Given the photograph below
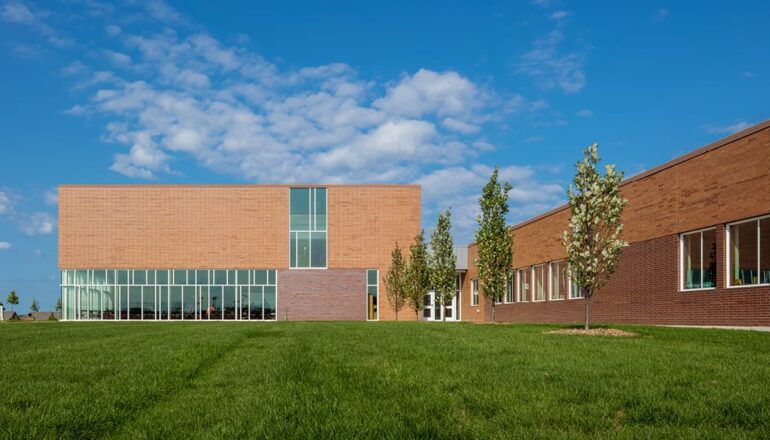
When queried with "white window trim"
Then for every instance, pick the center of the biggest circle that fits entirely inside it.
(682, 289)
(310, 230)
(728, 253)
(534, 284)
(475, 292)
(550, 282)
(377, 318)
(518, 286)
(512, 279)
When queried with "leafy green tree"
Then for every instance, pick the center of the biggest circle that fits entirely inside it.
(35, 307)
(58, 305)
(13, 299)
(395, 281)
(442, 261)
(417, 274)
(593, 238)
(494, 240)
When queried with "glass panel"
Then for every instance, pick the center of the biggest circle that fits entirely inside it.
(243, 277)
(161, 277)
(202, 276)
(271, 277)
(764, 250)
(371, 301)
(140, 277)
(320, 209)
(299, 209)
(743, 258)
(180, 277)
(691, 267)
(215, 304)
(539, 287)
(148, 302)
(100, 277)
(710, 258)
(123, 302)
(303, 249)
(509, 290)
(269, 301)
(191, 277)
(292, 249)
(176, 302)
(81, 277)
(150, 277)
(228, 303)
(261, 277)
(524, 285)
(371, 277)
(255, 311)
(318, 257)
(134, 303)
(244, 302)
(108, 301)
(230, 277)
(559, 280)
(189, 302)
(220, 277)
(122, 277)
(163, 302)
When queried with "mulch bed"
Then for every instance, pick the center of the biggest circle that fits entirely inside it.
(592, 332)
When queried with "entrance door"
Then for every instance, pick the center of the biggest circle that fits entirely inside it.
(433, 311)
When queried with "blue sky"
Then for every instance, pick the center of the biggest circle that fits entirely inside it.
(292, 91)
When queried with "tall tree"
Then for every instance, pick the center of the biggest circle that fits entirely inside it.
(442, 261)
(35, 307)
(593, 238)
(13, 299)
(417, 274)
(395, 281)
(494, 240)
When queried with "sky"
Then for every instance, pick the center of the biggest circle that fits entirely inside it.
(434, 93)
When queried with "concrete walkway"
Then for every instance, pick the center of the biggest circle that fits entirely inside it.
(722, 327)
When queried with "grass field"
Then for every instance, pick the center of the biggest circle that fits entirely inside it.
(378, 380)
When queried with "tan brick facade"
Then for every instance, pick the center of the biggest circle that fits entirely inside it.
(718, 184)
(229, 226)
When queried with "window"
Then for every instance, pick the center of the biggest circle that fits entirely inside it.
(538, 278)
(749, 252)
(307, 228)
(474, 292)
(574, 291)
(698, 260)
(559, 280)
(372, 294)
(523, 285)
(509, 286)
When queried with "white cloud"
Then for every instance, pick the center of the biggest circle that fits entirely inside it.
(550, 67)
(728, 129)
(19, 13)
(560, 15)
(39, 223)
(519, 104)
(660, 15)
(585, 113)
(460, 126)
(5, 203)
(4, 245)
(51, 196)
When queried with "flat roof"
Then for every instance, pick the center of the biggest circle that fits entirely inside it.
(237, 185)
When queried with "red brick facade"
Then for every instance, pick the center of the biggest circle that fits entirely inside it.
(721, 183)
(325, 295)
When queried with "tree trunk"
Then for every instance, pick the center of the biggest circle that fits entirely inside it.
(587, 304)
(443, 309)
(396, 314)
(416, 315)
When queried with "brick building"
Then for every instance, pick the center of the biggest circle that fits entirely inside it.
(230, 252)
(699, 254)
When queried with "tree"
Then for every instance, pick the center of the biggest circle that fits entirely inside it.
(417, 274)
(395, 281)
(35, 307)
(58, 305)
(442, 261)
(593, 238)
(13, 299)
(494, 241)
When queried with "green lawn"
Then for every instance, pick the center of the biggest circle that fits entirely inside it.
(378, 380)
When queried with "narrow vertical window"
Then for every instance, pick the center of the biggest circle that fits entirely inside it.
(698, 260)
(523, 285)
(559, 283)
(475, 292)
(538, 279)
(509, 285)
(372, 294)
(307, 228)
(749, 252)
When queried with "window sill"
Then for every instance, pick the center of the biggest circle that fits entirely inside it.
(308, 268)
(556, 299)
(743, 286)
(702, 289)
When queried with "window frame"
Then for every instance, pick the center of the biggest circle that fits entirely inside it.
(545, 296)
(550, 281)
(377, 313)
(728, 253)
(475, 292)
(518, 285)
(310, 231)
(510, 284)
(700, 232)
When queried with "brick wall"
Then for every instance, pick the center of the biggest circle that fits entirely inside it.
(724, 182)
(322, 295)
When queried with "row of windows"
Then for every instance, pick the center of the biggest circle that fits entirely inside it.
(748, 255)
(181, 277)
(531, 284)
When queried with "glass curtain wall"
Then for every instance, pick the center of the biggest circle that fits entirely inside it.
(141, 294)
(307, 228)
